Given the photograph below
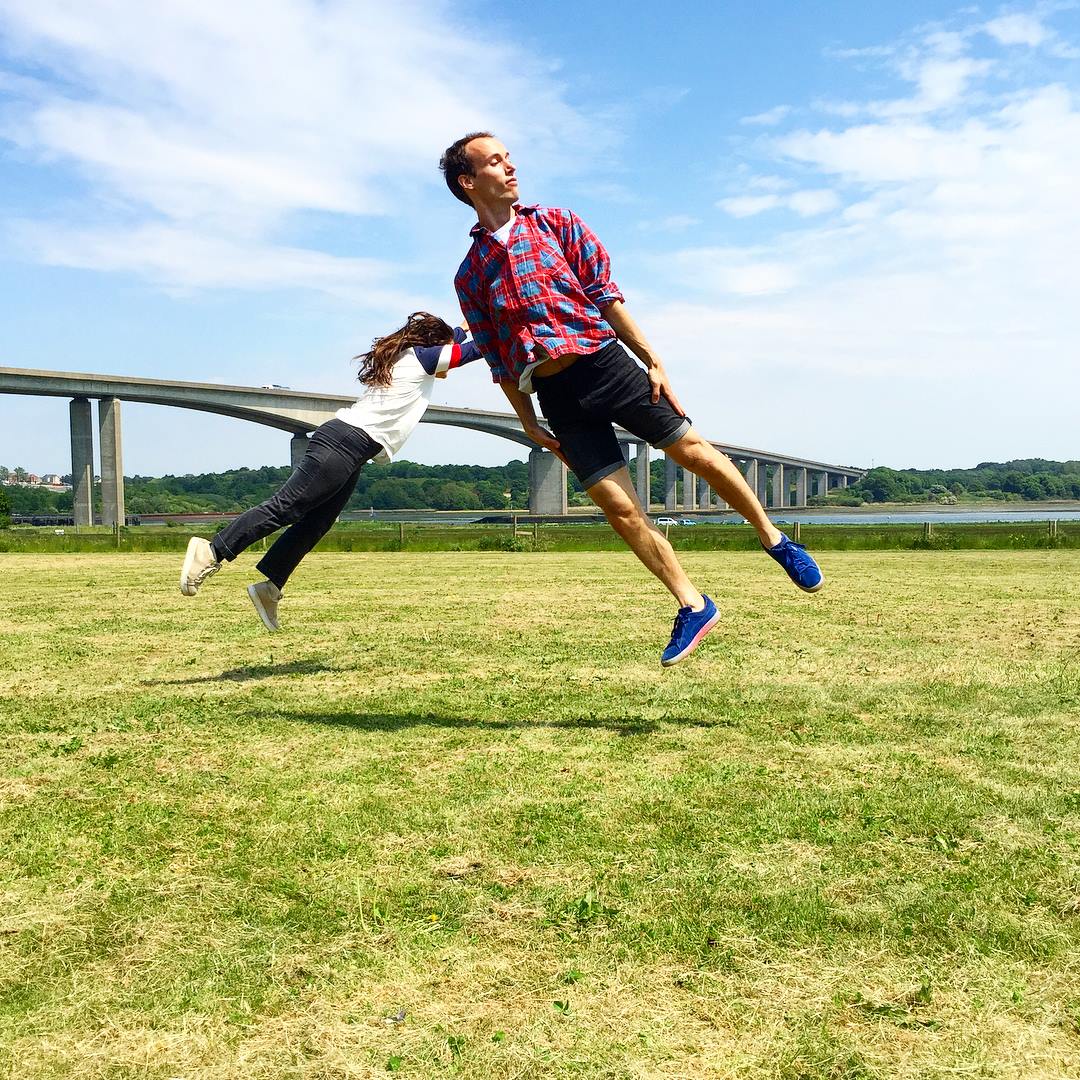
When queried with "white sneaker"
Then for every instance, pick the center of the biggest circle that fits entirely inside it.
(265, 596)
(199, 564)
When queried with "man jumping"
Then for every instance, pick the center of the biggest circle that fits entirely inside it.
(536, 291)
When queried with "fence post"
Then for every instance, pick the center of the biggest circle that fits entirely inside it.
(1052, 528)
(928, 530)
(401, 535)
(536, 533)
(796, 532)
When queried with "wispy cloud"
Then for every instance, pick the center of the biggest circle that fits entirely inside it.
(1024, 28)
(769, 118)
(807, 203)
(955, 249)
(224, 120)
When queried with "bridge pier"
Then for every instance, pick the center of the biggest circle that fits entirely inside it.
(762, 491)
(82, 462)
(704, 495)
(671, 480)
(547, 483)
(779, 486)
(644, 480)
(750, 474)
(689, 491)
(298, 445)
(822, 487)
(112, 462)
(801, 475)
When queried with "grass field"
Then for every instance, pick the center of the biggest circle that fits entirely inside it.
(455, 820)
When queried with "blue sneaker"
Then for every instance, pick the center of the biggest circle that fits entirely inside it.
(799, 564)
(690, 627)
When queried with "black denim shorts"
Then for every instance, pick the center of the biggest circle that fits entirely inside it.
(606, 387)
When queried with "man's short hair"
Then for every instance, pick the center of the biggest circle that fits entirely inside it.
(455, 162)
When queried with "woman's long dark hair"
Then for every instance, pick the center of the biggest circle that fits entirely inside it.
(421, 328)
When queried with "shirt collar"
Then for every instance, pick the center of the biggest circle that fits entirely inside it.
(480, 230)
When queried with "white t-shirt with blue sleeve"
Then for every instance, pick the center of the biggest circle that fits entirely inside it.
(390, 413)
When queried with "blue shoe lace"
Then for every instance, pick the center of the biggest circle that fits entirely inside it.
(794, 558)
(681, 616)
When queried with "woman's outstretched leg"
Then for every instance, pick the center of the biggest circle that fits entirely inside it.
(333, 459)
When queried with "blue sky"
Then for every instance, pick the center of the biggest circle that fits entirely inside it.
(851, 229)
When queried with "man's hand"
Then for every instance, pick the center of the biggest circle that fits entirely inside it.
(661, 384)
(523, 406)
(629, 333)
(542, 437)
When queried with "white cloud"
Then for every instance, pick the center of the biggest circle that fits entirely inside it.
(807, 203)
(769, 118)
(953, 266)
(180, 259)
(812, 203)
(742, 206)
(226, 120)
(1022, 28)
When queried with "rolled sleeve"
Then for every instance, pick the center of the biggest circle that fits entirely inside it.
(589, 260)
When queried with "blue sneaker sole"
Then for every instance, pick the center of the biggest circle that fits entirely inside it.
(694, 642)
(813, 588)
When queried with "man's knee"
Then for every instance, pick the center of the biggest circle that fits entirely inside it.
(692, 449)
(620, 506)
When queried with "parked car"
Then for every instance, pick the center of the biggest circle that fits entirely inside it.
(666, 521)
(687, 521)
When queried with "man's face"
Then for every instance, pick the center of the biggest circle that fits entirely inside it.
(494, 180)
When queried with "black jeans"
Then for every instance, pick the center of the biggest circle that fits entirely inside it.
(308, 502)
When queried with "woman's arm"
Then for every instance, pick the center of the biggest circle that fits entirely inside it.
(437, 360)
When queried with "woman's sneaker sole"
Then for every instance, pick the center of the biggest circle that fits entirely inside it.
(269, 621)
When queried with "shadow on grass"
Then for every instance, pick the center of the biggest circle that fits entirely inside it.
(250, 673)
(400, 721)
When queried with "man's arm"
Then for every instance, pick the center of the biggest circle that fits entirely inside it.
(523, 406)
(629, 333)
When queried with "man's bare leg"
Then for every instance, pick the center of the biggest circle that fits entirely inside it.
(704, 460)
(618, 500)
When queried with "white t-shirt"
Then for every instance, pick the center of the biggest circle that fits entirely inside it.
(390, 413)
(502, 234)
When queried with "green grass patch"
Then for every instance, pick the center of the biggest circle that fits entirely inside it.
(570, 537)
(454, 819)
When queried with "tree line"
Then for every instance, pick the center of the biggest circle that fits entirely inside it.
(395, 486)
(405, 485)
(1021, 480)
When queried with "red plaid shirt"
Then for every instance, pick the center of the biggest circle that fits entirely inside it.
(537, 296)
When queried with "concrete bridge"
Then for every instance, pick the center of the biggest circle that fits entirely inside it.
(781, 481)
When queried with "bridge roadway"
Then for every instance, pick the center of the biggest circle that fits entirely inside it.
(780, 480)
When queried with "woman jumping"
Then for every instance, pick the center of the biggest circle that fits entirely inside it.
(398, 373)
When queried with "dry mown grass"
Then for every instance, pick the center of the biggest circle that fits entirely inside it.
(455, 819)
